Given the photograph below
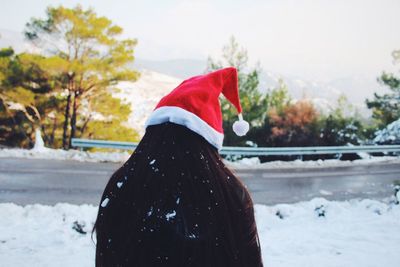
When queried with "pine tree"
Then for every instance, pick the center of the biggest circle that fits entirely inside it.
(252, 100)
(90, 58)
(113, 124)
(386, 107)
(24, 88)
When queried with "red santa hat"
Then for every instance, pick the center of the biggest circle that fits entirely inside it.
(195, 104)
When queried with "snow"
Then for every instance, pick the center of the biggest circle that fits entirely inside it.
(41, 152)
(144, 94)
(60, 154)
(39, 143)
(38, 235)
(104, 203)
(170, 215)
(311, 233)
(325, 192)
(254, 162)
(326, 233)
(389, 135)
(150, 211)
(15, 106)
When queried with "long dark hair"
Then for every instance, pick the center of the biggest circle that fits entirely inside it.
(175, 203)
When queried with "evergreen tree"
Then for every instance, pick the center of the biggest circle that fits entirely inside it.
(253, 102)
(24, 90)
(386, 107)
(112, 124)
(342, 126)
(90, 58)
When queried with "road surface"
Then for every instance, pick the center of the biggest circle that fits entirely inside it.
(28, 181)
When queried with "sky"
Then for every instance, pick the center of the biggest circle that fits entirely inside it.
(314, 39)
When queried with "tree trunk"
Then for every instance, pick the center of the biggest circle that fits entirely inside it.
(53, 133)
(73, 117)
(85, 124)
(45, 136)
(66, 120)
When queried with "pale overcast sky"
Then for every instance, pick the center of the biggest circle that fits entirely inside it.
(315, 39)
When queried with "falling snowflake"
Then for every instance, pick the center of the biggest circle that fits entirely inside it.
(105, 202)
(171, 215)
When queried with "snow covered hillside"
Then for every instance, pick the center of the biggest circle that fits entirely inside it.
(313, 234)
(144, 94)
(323, 94)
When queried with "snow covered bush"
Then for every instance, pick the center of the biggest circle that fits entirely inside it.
(389, 135)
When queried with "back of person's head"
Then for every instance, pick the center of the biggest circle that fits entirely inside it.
(175, 203)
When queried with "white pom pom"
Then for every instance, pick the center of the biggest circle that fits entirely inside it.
(241, 127)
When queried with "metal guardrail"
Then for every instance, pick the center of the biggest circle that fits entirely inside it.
(78, 142)
(254, 151)
(313, 150)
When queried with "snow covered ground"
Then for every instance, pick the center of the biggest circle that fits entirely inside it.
(60, 154)
(313, 233)
(255, 163)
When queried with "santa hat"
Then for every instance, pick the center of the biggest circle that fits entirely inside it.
(195, 104)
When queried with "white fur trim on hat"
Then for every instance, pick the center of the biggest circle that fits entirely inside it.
(190, 120)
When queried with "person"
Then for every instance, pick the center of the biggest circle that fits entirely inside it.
(174, 202)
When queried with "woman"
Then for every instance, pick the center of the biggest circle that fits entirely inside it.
(174, 202)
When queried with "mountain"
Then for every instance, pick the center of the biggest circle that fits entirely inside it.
(144, 94)
(359, 87)
(159, 77)
(323, 94)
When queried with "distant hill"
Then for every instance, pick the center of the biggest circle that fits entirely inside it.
(323, 94)
(144, 94)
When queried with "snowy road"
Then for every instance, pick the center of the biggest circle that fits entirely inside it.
(26, 181)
